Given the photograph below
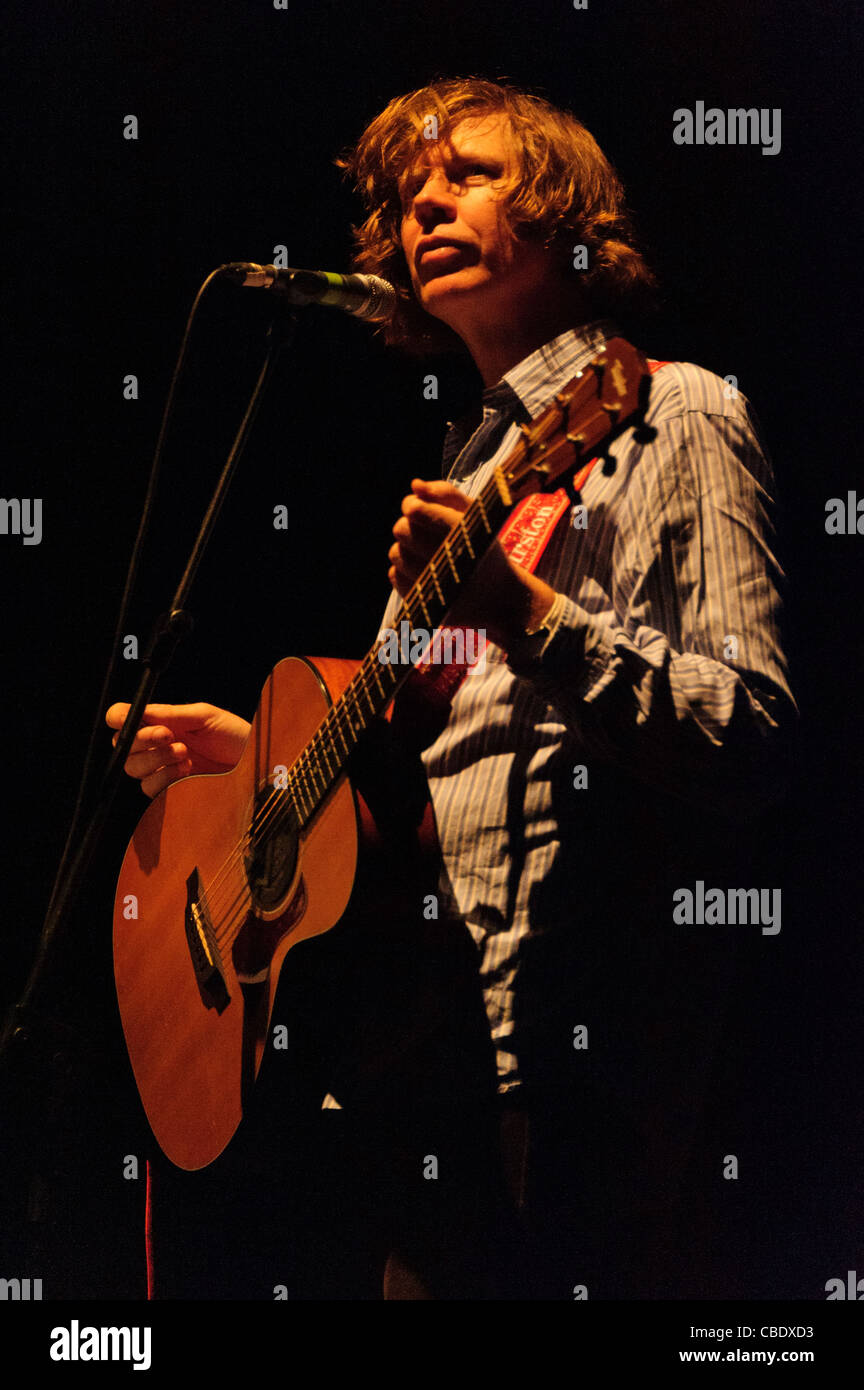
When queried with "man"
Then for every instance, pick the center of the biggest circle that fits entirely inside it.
(632, 708)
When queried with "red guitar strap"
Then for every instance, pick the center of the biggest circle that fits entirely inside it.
(524, 537)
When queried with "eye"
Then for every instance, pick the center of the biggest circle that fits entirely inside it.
(475, 169)
(411, 185)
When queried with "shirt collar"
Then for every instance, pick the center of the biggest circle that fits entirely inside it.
(537, 377)
(525, 391)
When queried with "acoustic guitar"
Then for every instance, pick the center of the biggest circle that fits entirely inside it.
(226, 873)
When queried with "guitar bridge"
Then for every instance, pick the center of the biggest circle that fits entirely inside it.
(201, 940)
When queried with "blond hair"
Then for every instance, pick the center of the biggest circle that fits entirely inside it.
(565, 194)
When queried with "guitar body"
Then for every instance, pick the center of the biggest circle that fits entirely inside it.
(196, 996)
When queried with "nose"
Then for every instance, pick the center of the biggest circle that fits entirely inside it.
(435, 201)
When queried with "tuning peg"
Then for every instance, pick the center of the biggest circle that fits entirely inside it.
(644, 434)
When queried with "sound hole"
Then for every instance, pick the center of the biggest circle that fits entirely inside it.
(271, 858)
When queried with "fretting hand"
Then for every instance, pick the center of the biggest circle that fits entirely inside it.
(501, 597)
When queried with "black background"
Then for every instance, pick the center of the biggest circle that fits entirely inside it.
(241, 109)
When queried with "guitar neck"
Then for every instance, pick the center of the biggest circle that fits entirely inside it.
(425, 606)
(599, 402)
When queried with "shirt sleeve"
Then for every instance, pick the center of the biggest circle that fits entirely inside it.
(681, 678)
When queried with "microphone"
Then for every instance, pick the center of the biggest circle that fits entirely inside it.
(366, 296)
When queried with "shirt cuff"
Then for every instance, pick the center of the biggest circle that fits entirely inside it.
(570, 645)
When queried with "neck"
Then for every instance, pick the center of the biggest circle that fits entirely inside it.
(498, 344)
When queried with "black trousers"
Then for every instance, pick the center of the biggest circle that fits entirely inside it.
(427, 1184)
(513, 1205)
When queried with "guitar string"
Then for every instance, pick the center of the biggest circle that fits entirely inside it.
(307, 771)
(316, 772)
(319, 779)
(243, 896)
(305, 801)
(307, 768)
(339, 720)
(278, 809)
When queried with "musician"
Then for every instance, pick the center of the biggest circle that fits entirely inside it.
(632, 715)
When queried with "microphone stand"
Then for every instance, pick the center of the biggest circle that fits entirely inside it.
(168, 632)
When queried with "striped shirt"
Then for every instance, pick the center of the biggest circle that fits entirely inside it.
(664, 659)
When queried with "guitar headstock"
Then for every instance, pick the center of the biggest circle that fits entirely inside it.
(601, 401)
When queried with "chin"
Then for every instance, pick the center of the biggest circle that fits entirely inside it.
(443, 291)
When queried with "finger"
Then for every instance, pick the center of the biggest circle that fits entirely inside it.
(186, 717)
(146, 738)
(115, 716)
(408, 562)
(141, 765)
(400, 579)
(428, 517)
(410, 543)
(439, 490)
(416, 506)
(151, 786)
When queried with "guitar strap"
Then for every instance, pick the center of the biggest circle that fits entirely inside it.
(523, 538)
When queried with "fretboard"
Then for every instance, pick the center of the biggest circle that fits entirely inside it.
(424, 607)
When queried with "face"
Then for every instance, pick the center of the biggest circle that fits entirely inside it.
(462, 262)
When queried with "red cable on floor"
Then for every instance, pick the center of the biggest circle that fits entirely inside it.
(148, 1234)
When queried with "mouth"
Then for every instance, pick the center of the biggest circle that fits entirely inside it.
(438, 255)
